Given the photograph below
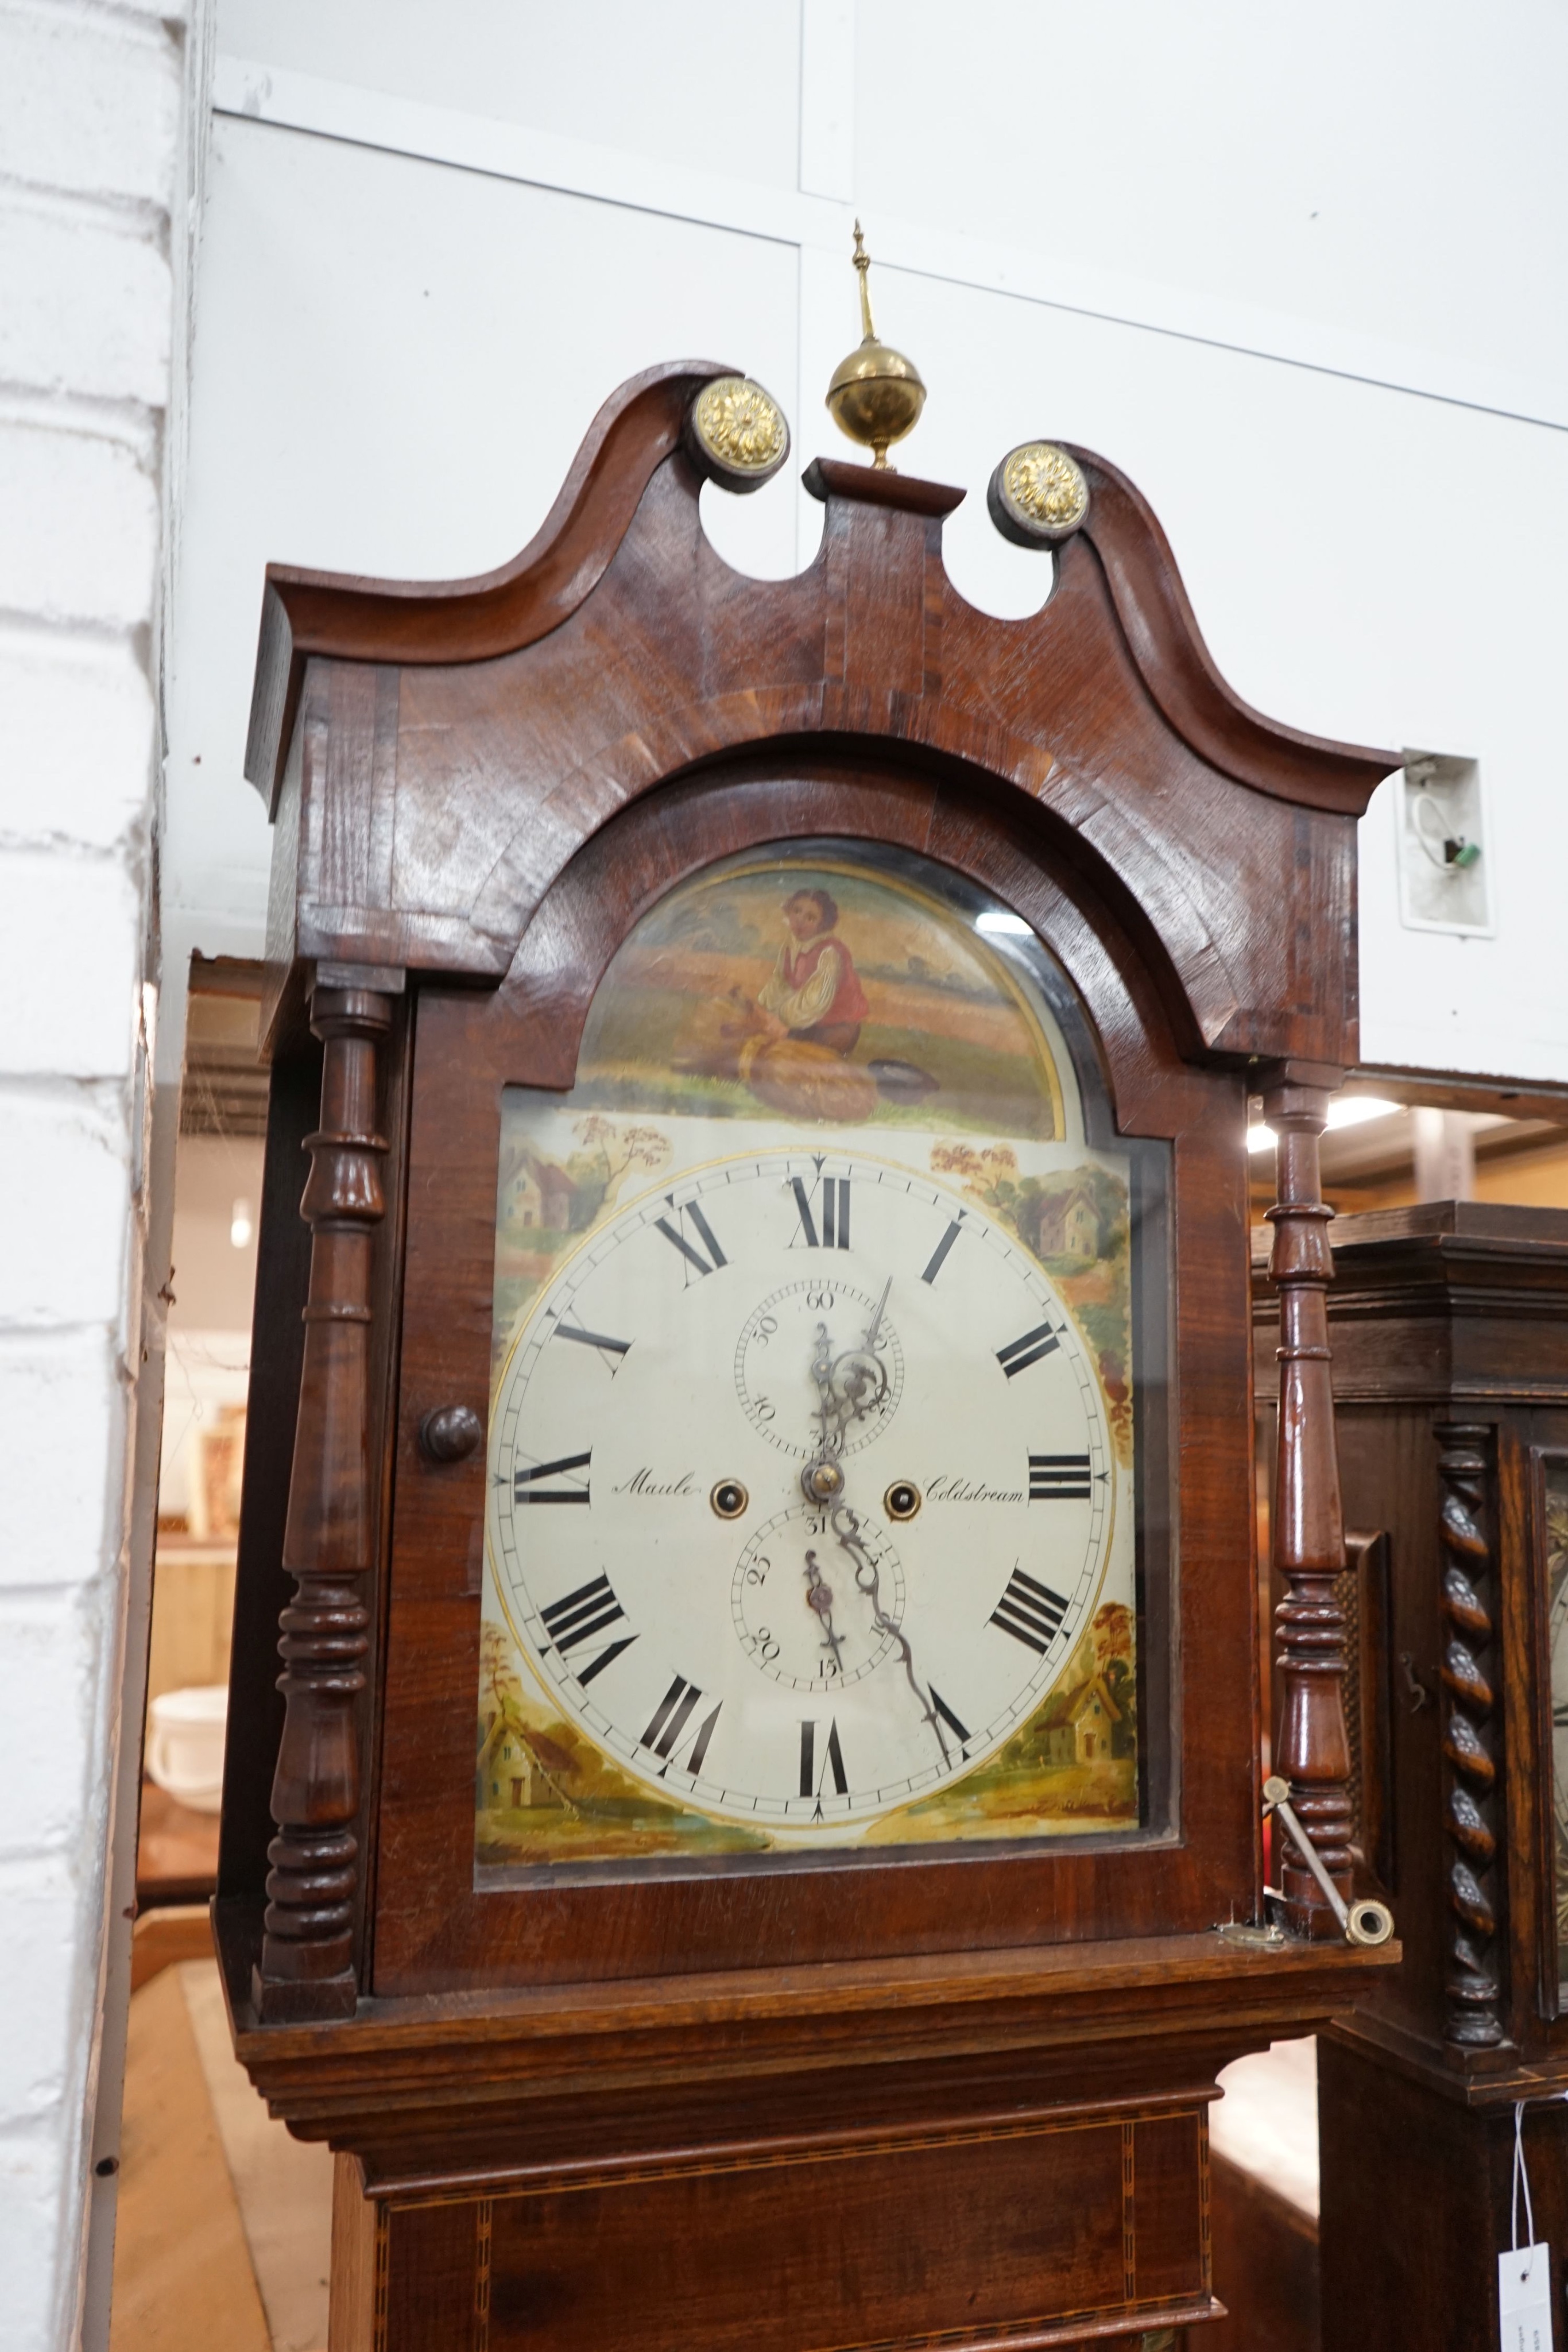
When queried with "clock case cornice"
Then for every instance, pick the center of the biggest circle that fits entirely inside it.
(462, 704)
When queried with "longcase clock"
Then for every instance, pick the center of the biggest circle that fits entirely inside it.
(757, 1839)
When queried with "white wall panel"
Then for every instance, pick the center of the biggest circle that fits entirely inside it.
(1315, 521)
(395, 366)
(1396, 172)
(396, 358)
(690, 85)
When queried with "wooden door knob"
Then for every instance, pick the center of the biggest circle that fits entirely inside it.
(450, 1434)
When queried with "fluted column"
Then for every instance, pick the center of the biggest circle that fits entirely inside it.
(1312, 1749)
(306, 1966)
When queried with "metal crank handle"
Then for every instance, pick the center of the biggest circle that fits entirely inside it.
(1364, 1922)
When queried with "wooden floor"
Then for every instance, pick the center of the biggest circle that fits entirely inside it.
(223, 2229)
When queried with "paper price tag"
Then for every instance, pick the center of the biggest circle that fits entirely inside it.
(1524, 2299)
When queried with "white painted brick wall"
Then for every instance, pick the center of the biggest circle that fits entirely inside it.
(89, 162)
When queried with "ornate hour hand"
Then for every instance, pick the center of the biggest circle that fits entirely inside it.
(823, 1479)
(820, 1597)
(847, 1529)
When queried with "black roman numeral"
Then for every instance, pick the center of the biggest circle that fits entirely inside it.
(527, 1488)
(669, 1721)
(1059, 1478)
(939, 1254)
(692, 1252)
(578, 1615)
(835, 1213)
(1029, 1612)
(600, 1339)
(960, 1731)
(811, 1784)
(1020, 1354)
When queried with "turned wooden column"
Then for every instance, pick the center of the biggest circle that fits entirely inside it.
(306, 1962)
(1470, 1735)
(1312, 1747)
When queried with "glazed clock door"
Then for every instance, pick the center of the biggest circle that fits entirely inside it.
(817, 1430)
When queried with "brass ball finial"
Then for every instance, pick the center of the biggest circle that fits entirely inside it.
(876, 395)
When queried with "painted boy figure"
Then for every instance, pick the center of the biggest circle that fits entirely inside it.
(814, 995)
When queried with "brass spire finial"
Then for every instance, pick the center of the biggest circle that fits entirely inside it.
(876, 395)
(862, 262)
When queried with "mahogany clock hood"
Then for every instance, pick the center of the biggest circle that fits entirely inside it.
(1104, 710)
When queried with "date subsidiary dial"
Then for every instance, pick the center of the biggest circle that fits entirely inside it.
(794, 1602)
(815, 1334)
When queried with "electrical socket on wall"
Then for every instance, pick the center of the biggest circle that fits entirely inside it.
(1445, 880)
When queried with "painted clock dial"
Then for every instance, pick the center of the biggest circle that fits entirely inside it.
(714, 1441)
(816, 1456)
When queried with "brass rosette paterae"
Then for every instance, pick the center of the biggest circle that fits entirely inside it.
(738, 434)
(1037, 495)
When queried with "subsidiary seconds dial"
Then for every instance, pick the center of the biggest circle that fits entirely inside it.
(801, 1488)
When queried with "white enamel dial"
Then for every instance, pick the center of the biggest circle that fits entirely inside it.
(761, 1653)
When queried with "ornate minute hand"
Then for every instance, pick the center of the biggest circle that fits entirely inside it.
(847, 1529)
(859, 1377)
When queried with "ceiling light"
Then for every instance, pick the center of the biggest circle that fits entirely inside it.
(241, 1224)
